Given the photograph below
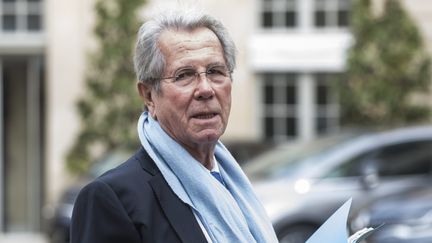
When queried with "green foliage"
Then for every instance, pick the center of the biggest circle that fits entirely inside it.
(110, 107)
(387, 65)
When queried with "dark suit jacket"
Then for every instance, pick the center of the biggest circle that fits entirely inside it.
(132, 204)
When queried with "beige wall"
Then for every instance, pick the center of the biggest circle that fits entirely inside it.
(421, 12)
(68, 34)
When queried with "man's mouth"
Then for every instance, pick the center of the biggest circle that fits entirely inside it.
(205, 116)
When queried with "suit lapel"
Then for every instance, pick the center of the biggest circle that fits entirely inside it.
(178, 213)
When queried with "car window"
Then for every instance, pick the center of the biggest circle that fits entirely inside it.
(408, 158)
(351, 167)
(405, 159)
(287, 160)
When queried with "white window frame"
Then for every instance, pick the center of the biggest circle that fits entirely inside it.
(278, 109)
(278, 8)
(305, 15)
(331, 9)
(21, 9)
(305, 110)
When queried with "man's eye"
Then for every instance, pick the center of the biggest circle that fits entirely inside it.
(184, 75)
(216, 71)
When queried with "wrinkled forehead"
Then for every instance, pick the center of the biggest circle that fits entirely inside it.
(178, 45)
(187, 38)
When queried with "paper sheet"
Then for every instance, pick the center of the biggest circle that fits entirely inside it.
(334, 230)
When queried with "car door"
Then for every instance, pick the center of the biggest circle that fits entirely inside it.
(403, 166)
(382, 170)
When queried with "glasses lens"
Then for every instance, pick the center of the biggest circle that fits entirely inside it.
(217, 73)
(184, 77)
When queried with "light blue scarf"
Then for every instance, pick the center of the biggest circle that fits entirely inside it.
(229, 214)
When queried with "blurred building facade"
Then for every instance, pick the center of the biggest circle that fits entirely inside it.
(22, 104)
(288, 51)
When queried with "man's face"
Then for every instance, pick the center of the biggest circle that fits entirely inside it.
(195, 115)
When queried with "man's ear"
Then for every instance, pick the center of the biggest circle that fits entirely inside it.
(145, 91)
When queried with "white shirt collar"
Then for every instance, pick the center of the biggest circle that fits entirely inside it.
(215, 166)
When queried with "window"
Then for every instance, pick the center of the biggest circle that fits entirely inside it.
(21, 16)
(332, 13)
(279, 94)
(402, 159)
(410, 158)
(279, 13)
(327, 108)
(287, 115)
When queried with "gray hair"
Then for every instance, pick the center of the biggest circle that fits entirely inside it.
(150, 63)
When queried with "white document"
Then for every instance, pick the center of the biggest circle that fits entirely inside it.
(334, 229)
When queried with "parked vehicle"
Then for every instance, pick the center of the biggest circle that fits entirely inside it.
(302, 184)
(59, 222)
(406, 217)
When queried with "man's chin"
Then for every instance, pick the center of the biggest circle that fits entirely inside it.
(208, 136)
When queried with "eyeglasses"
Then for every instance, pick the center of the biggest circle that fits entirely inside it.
(187, 76)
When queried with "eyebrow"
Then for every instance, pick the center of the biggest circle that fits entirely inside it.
(215, 64)
(212, 64)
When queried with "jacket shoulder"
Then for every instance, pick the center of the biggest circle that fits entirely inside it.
(138, 165)
(129, 183)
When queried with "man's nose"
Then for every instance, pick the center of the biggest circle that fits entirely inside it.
(204, 89)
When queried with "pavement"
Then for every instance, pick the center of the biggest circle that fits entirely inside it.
(22, 238)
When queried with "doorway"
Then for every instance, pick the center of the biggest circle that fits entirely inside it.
(21, 152)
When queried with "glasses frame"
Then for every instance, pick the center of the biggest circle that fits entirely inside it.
(226, 73)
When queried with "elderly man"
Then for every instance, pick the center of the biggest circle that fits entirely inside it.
(182, 185)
